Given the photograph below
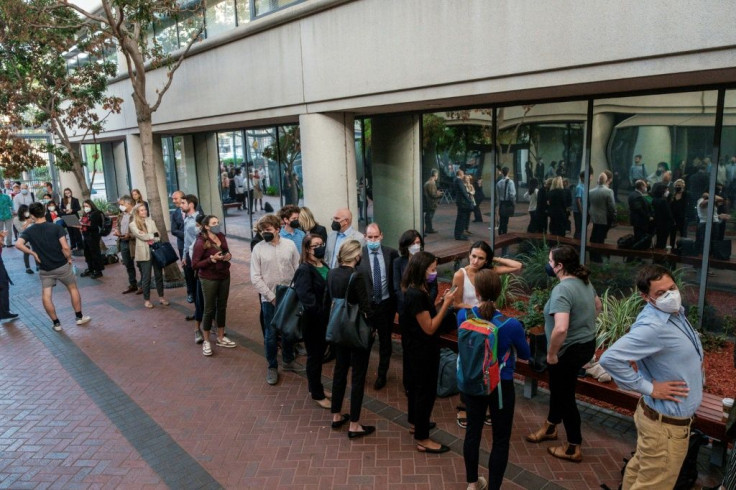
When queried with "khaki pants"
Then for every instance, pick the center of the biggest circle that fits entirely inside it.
(660, 450)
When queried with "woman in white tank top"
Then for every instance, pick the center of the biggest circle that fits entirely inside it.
(480, 257)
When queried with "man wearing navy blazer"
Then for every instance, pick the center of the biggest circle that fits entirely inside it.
(377, 264)
(177, 222)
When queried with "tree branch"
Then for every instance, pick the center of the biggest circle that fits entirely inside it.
(84, 13)
(173, 69)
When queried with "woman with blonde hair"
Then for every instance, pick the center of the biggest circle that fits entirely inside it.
(144, 229)
(678, 207)
(310, 225)
(557, 208)
(345, 281)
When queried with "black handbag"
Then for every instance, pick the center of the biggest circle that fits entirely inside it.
(347, 327)
(163, 254)
(288, 316)
(537, 349)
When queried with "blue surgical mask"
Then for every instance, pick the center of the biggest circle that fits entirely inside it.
(24, 191)
(373, 246)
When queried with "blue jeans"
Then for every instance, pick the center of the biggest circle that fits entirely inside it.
(270, 340)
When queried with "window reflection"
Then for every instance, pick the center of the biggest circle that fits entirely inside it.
(219, 16)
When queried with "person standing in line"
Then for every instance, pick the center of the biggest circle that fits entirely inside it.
(641, 215)
(70, 206)
(51, 192)
(506, 192)
(420, 323)
(602, 214)
(290, 225)
(91, 224)
(669, 375)
(257, 191)
(377, 268)
(557, 208)
(410, 243)
(638, 171)
(309, 225)
(310, 281)
(464, 203)
(24, 197)
(122, 231)
(340, 285)
(22, 221)
(177, 223)
(211, 259)
(432, 197)
(678, 206)
(577, 208)
(511, 339)
(138, 199)
(478, 197)
(273, 261)
(570, 327)
(532, 194)
(342, 230)
(664, 222)
(144, 229)
(6, 218)
(55, 260)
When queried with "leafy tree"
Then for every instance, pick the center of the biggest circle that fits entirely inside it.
(287, 149)
(37, 90)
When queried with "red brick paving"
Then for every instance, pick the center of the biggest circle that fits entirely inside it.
(245, 433)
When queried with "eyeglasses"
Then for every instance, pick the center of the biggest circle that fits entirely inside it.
(312, 247)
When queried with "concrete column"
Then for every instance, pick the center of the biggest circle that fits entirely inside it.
(120, 157)
(397, 185)
(187, 171)
(654, 144)
(328, 156)
(602, 128)
(206, 158)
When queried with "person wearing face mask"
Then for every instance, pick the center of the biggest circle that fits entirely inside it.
(669, 375)
(211, 258)
(91, 224)
(377, 266)
(310, 225)
(410, 243)
(345, 281)
(420, 324)
(273, 261)
(53, 215)
(342, 231)
(70, 206)
(23, 197)
(144, 229)
(310, 281)
(664, 222)
(290, 226)
(22, 221)
(126, 243)
(570, 327)
(6, 218)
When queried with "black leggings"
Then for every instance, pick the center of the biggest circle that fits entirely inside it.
(563, 377)
(421, 388)
(357, 360)
(314, 341)
(503, 419)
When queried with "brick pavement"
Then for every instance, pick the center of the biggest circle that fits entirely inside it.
(129, 401)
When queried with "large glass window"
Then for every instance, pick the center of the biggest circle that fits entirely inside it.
(190, 21)
(169, 157)
(242, 8)
(219, 16)
(266, 6)
(167, 35)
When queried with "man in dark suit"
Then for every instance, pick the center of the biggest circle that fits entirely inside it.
(464, 205)
(640, 211)
(377, 265)
(177, 222)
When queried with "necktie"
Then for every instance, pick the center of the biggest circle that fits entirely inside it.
(377, 290)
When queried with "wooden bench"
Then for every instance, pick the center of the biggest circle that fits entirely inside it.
(226, 206)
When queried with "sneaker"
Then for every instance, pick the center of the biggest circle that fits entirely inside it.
(292, 366)
(83, 320)
(29, 271)
(198, 337)
(206, 348)
(9, 317)
(272, 376)
(226, 342)
(57, 327)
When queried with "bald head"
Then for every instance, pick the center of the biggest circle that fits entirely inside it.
(344, 218)
(374, 228)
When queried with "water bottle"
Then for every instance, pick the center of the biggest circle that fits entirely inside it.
(74, 269)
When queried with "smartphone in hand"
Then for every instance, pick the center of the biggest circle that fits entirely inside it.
(452, 290)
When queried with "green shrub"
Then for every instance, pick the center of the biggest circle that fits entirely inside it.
(533, 310)
(512, 286)
(272, 191)
(618, 277)
(535, 259)
(622, 214)
(616, 317)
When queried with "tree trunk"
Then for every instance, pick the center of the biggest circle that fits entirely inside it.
(172, 273)
(78, 172)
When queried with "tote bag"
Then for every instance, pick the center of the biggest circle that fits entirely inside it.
(347, 327)
(163, 254)
(287, 317)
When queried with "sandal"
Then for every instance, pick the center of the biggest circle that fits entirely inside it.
(163, 301)
(148, 304)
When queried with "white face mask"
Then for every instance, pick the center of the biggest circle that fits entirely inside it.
(669, 302)
(52, 208)
(414, 248)
(87, 210)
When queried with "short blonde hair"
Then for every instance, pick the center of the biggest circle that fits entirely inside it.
(306, 219)
(349, 251)
(557, 183)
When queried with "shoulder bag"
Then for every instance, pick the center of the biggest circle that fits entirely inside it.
(347, 326)
(163, 254)
(506, 206)
(288, 316)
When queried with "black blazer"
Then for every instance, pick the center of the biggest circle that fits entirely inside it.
(389, 256)
(177, 229)
(310, 289)
(639, 210)
(400, 264)
(337, 287)
(75, 207)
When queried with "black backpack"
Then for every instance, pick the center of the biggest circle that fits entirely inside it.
(106, 227)
(689, 470)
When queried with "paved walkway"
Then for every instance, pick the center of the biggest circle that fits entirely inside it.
(129, 401)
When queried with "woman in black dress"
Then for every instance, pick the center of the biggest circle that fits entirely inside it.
(419, 323)
(310, 281)
(346, 282)
(663, 219)
(70, 206)
(92, 222)
(557, 208)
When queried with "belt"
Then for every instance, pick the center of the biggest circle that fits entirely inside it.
(652, 414)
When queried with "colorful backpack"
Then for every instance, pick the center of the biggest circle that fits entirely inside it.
(478, 365)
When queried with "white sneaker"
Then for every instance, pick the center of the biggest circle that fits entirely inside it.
(226, 342)
(83, 320)
(56, 327)
(206, 348)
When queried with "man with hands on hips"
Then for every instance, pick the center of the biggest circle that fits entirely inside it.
(669, 358)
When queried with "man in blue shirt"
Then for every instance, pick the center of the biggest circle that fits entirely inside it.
(289, 216)
(669, 358)
(577, 206)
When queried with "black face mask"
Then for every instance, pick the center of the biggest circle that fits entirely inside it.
(336, 226)
(319, 252)
(267, 236)
(294, 224)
